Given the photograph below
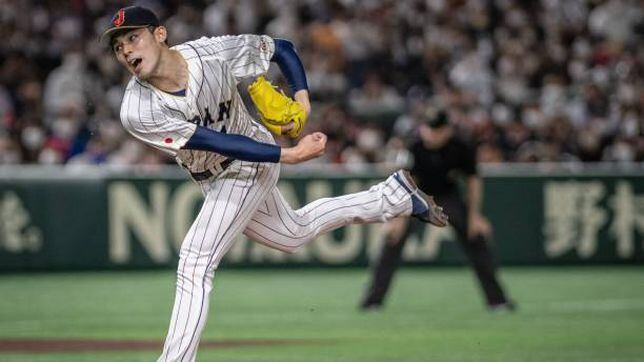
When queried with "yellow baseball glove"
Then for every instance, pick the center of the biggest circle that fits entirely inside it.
(276, 109)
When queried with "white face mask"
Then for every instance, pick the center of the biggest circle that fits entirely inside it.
(32, 137)
(501, 114)
(65, 128)
(532, 118)
(369, 140)
(630, 127)
(49, 156)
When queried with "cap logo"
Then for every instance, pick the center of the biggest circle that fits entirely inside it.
(119, 18)
(262, 46)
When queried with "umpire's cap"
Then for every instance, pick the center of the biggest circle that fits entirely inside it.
(439, 119)
(131, 17)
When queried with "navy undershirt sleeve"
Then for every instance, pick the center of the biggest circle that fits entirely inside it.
(290, 64)
(233, 145)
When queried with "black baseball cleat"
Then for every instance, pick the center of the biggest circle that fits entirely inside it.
(424, 207)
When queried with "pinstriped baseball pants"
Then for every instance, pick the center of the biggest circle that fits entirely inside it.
(245, 199)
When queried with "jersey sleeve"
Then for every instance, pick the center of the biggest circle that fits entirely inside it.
(144, 118)
(246, 55)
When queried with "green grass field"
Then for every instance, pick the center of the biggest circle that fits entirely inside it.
(566, 314)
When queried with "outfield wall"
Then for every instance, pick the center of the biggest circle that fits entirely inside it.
(97, 218)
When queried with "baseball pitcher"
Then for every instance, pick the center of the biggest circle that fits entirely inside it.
(184, 100)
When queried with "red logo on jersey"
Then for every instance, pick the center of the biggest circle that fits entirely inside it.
(119, 18)
(168, 140)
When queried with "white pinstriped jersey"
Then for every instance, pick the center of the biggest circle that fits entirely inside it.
(215, 65)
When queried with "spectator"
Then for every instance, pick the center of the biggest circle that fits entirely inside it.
(553, 80)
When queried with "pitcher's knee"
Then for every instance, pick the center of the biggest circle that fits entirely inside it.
(291, 246)
(286, 248)
(191, 268)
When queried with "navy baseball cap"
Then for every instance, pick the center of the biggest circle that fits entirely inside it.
(131, 17)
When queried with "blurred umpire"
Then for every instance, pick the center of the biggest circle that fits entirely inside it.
(440, 156)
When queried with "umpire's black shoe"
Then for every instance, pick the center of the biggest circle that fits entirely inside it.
(424, 207)
(503, 307)
(370, 306)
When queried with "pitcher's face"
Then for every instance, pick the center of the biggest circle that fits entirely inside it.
(139, 50)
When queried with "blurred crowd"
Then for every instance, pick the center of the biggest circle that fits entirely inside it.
(526, 81)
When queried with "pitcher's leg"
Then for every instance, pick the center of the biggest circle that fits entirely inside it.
(278, 226)
(228, 207)
(194, 282)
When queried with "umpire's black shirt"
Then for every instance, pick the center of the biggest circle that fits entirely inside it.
(437, 170)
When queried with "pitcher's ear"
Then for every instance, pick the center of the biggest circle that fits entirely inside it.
(161, 34)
